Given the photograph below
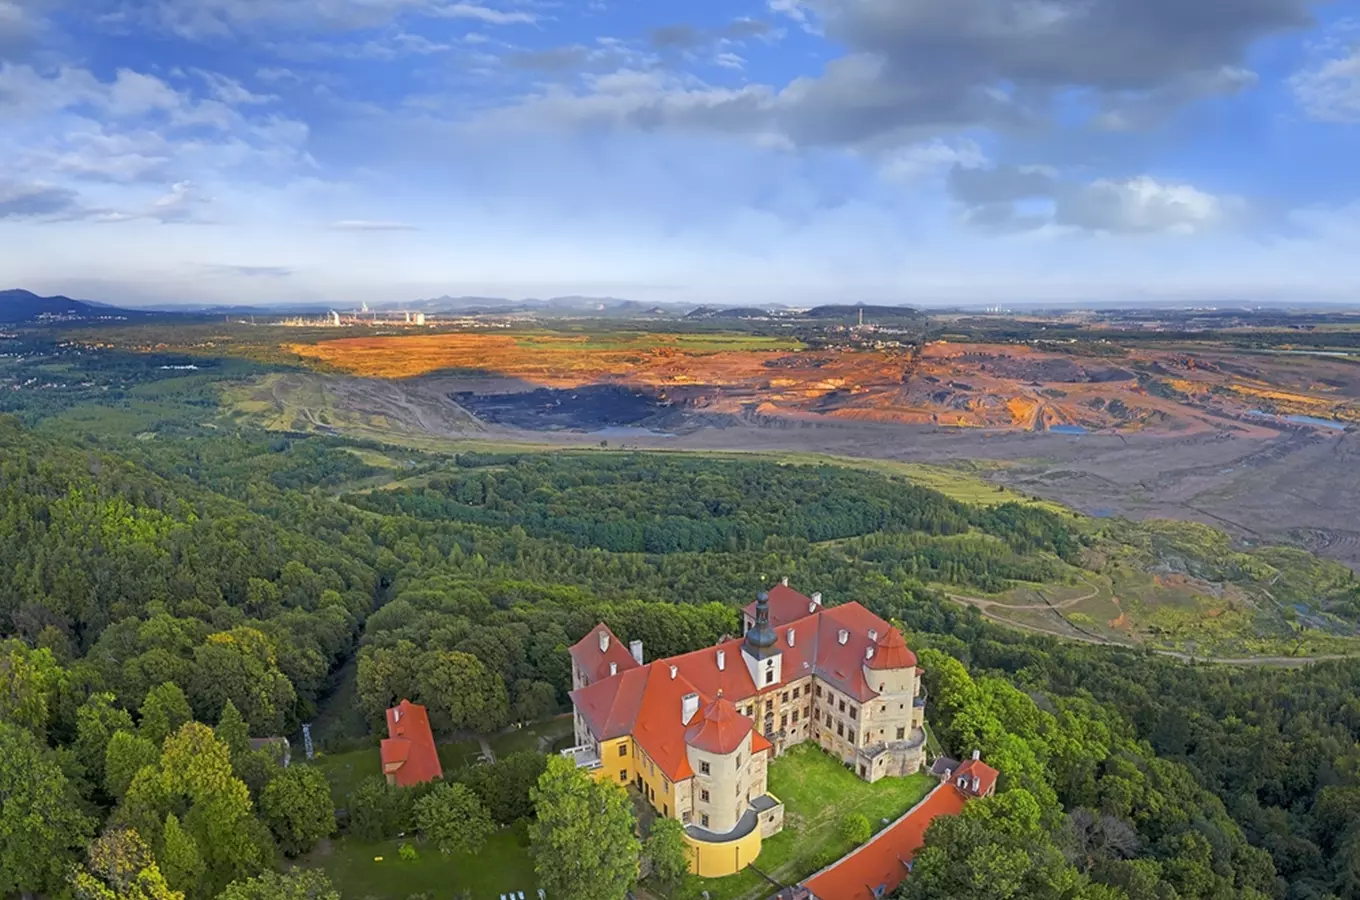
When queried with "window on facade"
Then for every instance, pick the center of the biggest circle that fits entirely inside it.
(795, 717)
(784, 721)
(769, 677)
(686, 816)
(828, 720)
(623, 774)
(665, 785)
(665, 810)
(850, 735)
(840, 729)
(901, 733)
(842, 706)
(623, 749)
(703, 768)
(704, 820)
(738, 761)
(854, 713)
(796, 692)
(651, 766)
(784, 697)
(703, 796)
(818, 689)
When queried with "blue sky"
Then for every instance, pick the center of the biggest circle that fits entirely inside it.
(791, 151)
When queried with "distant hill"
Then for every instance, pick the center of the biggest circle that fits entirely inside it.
(871, 313)
(25, 307)
(735, 312)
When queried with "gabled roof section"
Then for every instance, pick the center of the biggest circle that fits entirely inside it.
(593, 661)
(979, 779)
(610, 706)
(843, 664)
(786, 605)
(409, 754)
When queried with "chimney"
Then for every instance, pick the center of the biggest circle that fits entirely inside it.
(689, 706)
(977, 784)
(784, 581)
(674, 672)
(868, 653)
(873, 634)
(843, 636)
(722, 660)
(791, 636)
(396, 714)
(977, 754)
(635, 648)
(812, 607)
(817, 597)
(604, 640)
(613, 668)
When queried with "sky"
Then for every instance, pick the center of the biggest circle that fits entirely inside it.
(707, 151)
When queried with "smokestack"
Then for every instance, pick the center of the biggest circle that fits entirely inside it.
(604, 640)
(977, 754)
(868, 653)
(817, 597)
(635, 648)
(784, 581)
(674, 672)
(613, 668)
(873, 634)
(843, 636)
(722, 660)
(689, 706)
(791, 636)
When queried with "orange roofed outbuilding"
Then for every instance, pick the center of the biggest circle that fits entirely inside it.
(409, 756)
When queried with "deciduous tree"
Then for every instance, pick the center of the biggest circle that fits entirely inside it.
(452, 819)
(582, 839)
(668, 853)
(41, 825)
(296, 805)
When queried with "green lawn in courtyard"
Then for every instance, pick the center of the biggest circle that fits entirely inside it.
(817, 791)
(541, 737)
(502, 865)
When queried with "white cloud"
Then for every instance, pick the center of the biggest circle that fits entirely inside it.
(484, 14)
(182, 204)
(1329, 89)
(930, 159)
(370, 225)
(1144, 205)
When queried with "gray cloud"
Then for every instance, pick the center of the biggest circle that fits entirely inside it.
(24, 200)
(918, 70)
(687, 37)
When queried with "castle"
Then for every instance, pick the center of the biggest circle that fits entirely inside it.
(695, 733)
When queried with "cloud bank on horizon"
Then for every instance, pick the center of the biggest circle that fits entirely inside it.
(923, 151)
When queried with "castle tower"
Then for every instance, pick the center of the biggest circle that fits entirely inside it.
(760, 650)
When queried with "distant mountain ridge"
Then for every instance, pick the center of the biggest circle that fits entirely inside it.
(18, 307)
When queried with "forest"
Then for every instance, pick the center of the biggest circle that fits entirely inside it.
(171, 605)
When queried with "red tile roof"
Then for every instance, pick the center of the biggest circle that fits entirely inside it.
(409, 754)
(976, 768)
(883, 861)
(718, 728)
(594, 663)
(786, 605)
(890, 652)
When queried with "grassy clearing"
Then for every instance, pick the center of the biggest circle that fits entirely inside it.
(818, 791)
(541, 737)
(355, 868)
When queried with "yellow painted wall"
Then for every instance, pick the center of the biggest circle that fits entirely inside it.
(611, 762)
(717, 860)
(663, 790)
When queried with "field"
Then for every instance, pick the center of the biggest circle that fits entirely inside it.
(817, 792)
(376, 871)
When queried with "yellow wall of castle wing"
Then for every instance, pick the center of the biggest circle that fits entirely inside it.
(716, 860)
